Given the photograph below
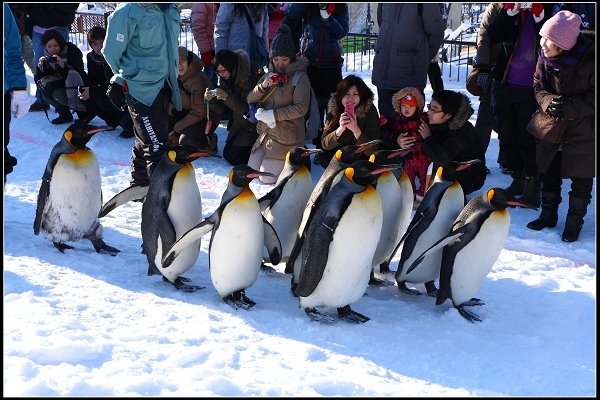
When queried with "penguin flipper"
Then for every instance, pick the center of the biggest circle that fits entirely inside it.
(132, 193)
(41, 203)
(451, 237)
(186, 240)
(272, 242)
(271, 197)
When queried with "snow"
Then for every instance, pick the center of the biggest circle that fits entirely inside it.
(88, 324)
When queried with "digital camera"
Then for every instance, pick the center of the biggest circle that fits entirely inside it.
(279, 78)
(213, 92)
(52, 59)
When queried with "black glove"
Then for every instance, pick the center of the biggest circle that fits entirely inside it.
(116, 97)
(556, 108)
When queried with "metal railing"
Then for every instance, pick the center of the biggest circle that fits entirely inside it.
(358, 48)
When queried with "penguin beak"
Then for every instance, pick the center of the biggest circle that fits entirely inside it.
(204, 153)
(256, 174)
(401, 152)
(311, 151)
(363, 147)
(520, 203)
(386, 168)
(464, 165)
(98, 129)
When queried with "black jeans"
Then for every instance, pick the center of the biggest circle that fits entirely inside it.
(151, 129)
(552, 180)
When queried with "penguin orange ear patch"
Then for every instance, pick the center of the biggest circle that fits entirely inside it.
(490, 194)
(349, 172)
(68, 135)
(172, 154)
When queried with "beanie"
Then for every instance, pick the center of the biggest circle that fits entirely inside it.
(283, 44)
(562, 29)
(183, 53)
(227, 59)
(409, 100)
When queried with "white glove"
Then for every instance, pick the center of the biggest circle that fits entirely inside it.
(20, 103)
(266, 116)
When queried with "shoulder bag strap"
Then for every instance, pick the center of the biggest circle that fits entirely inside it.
(250, 24)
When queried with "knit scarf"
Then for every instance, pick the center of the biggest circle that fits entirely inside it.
(565, 59)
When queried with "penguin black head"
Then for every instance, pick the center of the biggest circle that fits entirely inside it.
(449, 170)
(354, 152)
(79, 134)
(242, 175)
(182, 154)
(364, 172)
(500, 199)
(300, 156)
(385, 157)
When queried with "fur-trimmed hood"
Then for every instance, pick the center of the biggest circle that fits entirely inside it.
(413, 92)
(462, 115)
(361, 111)
(243, 68)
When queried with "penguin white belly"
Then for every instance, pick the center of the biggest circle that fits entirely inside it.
(185, 212)
(406, 205)
(449, 207)
(348, 268)
(474, 261)
(236, 247)
(286, 214)
(389, 193)
(75, 197)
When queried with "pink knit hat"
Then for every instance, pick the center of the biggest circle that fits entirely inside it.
(562, 29)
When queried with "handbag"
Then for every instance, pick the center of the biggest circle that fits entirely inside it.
(257, 49)
(544, 126)
(471, 85)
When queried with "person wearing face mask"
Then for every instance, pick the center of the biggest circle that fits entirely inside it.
(564, 86)
(352, 118)
(282, 106)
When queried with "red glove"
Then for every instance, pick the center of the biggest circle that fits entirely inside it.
(537, 9)
(326, 9)
(512, 9)
(207, 57)
(382, 120)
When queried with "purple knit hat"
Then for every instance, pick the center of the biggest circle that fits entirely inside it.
(562, 29)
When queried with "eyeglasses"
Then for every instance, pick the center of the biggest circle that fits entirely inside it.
(221, 71)
(433, 110)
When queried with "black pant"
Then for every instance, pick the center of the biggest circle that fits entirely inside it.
(151, 129)
(103, 108)
(552, 180)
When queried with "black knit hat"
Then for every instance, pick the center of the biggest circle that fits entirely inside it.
(449, 100)
(228, 59)
(283, 44)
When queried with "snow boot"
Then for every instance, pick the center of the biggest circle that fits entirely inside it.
(549, 216)
(517, 186)
(574, 222)
(531, 194)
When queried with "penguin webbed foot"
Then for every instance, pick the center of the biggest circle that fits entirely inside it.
(181, 278)
(384, 268)
(473, 302)
(238, 299)
(403, 289)
(267, 269)
(349, 315)
(373, 281)
(62, 246)
(103, 248)
(316, 316)
(468, 315)
(431, 289)
(180, 285)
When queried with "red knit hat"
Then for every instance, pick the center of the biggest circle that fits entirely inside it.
(562, 29)
(409, 100)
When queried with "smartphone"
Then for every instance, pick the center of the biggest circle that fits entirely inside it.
(350, 108)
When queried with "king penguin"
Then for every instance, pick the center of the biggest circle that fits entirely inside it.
(342, 158)
(333, 273)
(70, 195)
(431, 221)
(397, 206)
(239, 232)
(283, 205)
(471, 248)
(172, 206)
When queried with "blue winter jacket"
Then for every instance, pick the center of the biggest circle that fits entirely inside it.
(14, 71)
(141, 48)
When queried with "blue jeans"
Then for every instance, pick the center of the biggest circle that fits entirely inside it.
(38, 52)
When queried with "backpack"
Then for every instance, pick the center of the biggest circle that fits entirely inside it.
(312, 116)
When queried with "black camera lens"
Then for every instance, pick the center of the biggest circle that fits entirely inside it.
(52, 60)
(81, 89)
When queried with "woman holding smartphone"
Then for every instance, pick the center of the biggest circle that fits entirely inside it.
(352, 118)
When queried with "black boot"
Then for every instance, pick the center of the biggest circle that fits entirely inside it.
(531, 194)
(517, 186)
(549, 215)
(64, 116)
(574, 222)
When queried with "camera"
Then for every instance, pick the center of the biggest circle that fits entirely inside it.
(52, 59)
(81, 89)
(279, 78)
(213, 92)
(525, 6)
